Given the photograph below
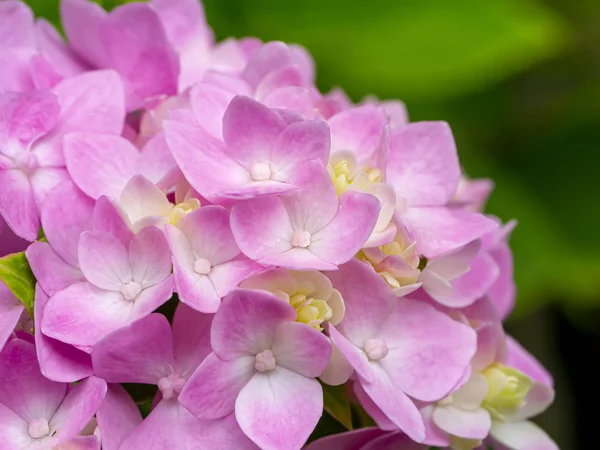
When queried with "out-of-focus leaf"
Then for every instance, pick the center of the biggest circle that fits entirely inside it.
(336, 404)
(18, 277)
(424, 49)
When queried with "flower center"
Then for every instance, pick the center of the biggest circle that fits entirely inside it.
(202, 266)
(131, 290)
(507, 390)
(301, 238)
(376, 349)
(265, 361)
(183, 209)
(340, 176)
(260, 171)
(311, 311)
(26, 160)
(171, 386)
(38, 428)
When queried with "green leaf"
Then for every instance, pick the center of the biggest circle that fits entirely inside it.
(16, 273)
(336, 404)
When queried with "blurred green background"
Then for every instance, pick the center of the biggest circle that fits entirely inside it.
(519, 82)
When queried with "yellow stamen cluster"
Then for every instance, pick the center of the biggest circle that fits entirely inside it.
(507, 390)
(311, 311)
(340, 176)
(183, 209)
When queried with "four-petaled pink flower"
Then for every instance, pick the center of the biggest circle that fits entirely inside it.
(262, 367)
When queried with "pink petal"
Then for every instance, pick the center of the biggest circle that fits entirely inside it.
(152, 298)
(301, 349)
(344, 236)
(137, 48)
(13, 429)
(52, 47)
(338, 369)
(208, 232)
(359, 130)
(521, 359)
(423, 164)
(472, 285)
(10, 312)
(261, 227)
(503, 291)
(522, 436)
(349, 440)
(103, 260)
(138, 353)
(250, 131)
(285, 76)
(272, 56)
(78, 408)
(93, 101)
(294, 98)
(29, 115)
(18, 72)
(467, 424)
(44, 180)
(107, 219)
(24, 389)
(428, 350)
(66, 213)
(105, 311)
(395, 404)
(202, 160)
(81, 21)
(117, 417)
(17, 204)
(82, 443)
(433, 434)
(142, 203)
(211, 391)
(368, 300)
(246, 322)
(357, 358)
(381, 420)
(112, 169)
(157, 161)
(439, 231)
(297, 144)
(58, 361)
(279, 409)
(209, 104)
(16, 25)
(227, 276)
(191, 338)
(149, 257)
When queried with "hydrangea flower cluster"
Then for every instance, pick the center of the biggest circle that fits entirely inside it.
(217, 247)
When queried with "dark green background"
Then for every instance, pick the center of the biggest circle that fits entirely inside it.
(519, 82)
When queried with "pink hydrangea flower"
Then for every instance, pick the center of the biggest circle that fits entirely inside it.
(37, 413)
(399, 348)
(148, 351)
(311, 229)
(32, 126)
(423, 168)
(137, 283)
(11, 310)
(207, 262)
(262, 367)
(263, 151)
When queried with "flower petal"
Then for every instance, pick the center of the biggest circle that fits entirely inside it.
(103, 260)
(211, 391)
(279, 409)
(301, 349)
(522, 436)
(58, 361)
(423, 164)
(17, 204)
(78, 407)
(138, 353)
(191, 338)
(246, 322)
(117, 417)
